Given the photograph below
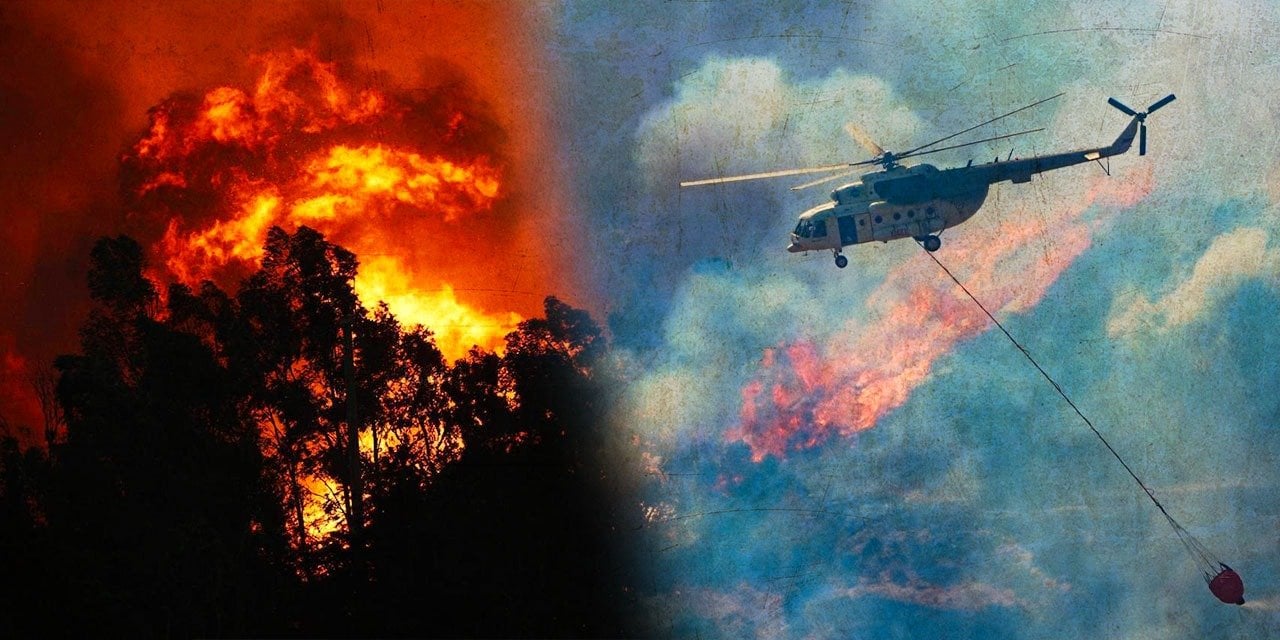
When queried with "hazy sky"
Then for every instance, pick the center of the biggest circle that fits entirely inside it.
(856, 453)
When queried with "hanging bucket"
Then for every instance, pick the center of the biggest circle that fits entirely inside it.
(1227, 586)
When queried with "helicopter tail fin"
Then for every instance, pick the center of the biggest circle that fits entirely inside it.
(1125, 140)
(1138, 123)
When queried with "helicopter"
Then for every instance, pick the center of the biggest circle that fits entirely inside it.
(921, 201)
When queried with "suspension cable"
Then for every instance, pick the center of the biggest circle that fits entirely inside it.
(1194, 546)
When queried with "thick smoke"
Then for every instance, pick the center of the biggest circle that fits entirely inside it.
(57, 124)
(982, 472)
(813, 375)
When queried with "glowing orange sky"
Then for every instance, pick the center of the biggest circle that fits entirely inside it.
(83, 77)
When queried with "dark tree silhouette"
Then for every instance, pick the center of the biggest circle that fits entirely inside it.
(176, 501)
(285, 343)
(514, 538)
(158, 506)
(27, 558)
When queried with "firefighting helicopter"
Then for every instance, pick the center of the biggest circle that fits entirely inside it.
(921, 201)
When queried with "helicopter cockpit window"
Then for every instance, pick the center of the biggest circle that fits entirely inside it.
(820, 229)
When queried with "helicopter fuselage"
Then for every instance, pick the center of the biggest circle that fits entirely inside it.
(922, 200)
(910, 202)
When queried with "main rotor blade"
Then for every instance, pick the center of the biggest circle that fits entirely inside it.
(1160, 103)
(1142, 140)
(957, 146)
(1121, 106)
(863, 139)
(768, 174)
(925, 146)
(822, 180)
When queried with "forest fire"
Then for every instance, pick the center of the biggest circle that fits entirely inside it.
(305, 148)
(387, 176)
(205, 253)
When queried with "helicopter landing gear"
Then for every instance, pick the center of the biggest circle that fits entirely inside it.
(930, 242)
(841, 261)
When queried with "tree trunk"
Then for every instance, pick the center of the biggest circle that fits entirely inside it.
(355, 487)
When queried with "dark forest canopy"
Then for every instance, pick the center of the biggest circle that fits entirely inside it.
(203, 481)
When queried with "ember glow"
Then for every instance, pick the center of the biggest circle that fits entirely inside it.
(305, 147)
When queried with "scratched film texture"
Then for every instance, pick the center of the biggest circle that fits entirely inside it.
(857, 453)
(811, 452)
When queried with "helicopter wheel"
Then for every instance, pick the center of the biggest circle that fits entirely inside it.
(841, 261)
(932, 243)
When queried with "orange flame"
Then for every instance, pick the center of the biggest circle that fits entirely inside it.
(295, 152)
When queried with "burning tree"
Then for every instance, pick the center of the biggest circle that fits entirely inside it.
(197, 432)
(219, 181)
(283, 419)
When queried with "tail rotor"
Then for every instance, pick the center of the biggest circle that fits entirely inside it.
(1142, 117)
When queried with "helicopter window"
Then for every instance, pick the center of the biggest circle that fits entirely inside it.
(879, 219)
(897, 216)
(911, 213)
(799, 229)
(929, 211)
(862, 222)
(820, 228)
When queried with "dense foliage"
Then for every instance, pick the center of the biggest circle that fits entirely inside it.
(179, 497)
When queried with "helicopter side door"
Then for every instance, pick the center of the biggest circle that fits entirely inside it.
(848, 232)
